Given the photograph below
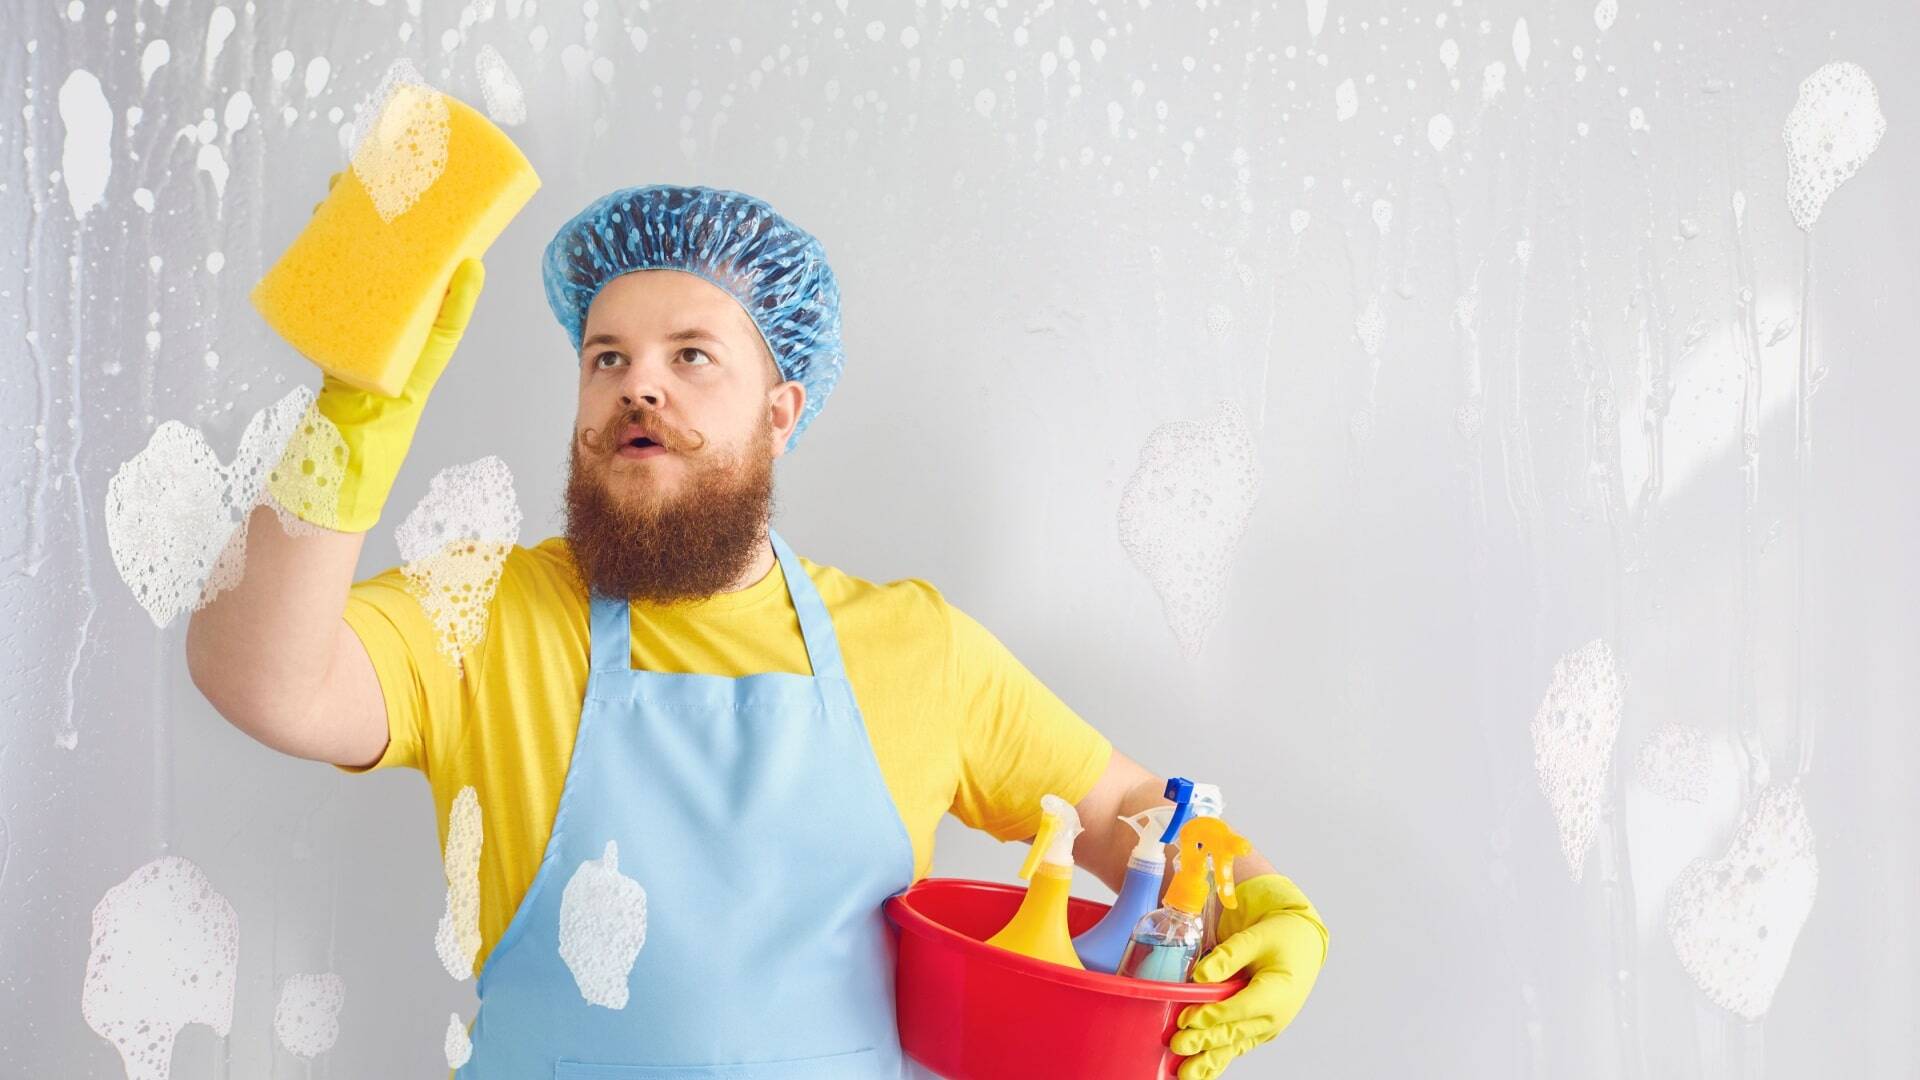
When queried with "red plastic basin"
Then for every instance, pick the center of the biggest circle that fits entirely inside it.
(971, 1011)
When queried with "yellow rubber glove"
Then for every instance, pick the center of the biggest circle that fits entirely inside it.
(376, 431)
(1275, 932)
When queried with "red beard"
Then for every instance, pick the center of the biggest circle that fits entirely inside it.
(629, 541)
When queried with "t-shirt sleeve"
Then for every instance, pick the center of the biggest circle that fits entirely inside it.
(1018, 740)
(420, 683)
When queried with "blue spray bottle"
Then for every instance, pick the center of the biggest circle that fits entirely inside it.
(1100, 946)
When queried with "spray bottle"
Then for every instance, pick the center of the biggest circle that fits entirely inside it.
(1101, 945)
(1166, 943)
(1207, 802)
(1039, 928)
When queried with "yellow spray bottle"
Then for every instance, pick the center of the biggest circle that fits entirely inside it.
(1167, 941)
(1039, 928)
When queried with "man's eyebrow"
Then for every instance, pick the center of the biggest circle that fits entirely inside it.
(691, 333)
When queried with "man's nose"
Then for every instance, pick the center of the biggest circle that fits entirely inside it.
(641, 387)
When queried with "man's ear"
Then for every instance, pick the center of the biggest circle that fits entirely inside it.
(785, 403)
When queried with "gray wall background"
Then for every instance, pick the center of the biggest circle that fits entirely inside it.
(1031, 289)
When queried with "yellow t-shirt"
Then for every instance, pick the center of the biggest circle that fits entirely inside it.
(957, 723)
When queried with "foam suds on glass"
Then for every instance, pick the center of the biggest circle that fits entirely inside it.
(1733, 920)
(1673, 761)
(86, 145)
(459, 1045)
(400, 140)
(1573, 739)
(1834, 127)
(164, 951)
(1183, 513)
(506, 102)
(1493, 81)
(177, 518)
(168, 521)
(455, 543)
(1370, 326)
(457, 938)
(307, 1019)
(603, 924)
(1346, 102)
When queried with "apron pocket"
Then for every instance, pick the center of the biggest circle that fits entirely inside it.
(850, 1066)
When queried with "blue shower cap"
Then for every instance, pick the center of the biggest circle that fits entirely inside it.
(775, 269)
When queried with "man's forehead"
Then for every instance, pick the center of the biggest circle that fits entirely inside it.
(659, 302)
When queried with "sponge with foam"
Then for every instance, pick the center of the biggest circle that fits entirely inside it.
(357, 291)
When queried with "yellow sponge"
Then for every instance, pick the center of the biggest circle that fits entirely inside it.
(357, 291)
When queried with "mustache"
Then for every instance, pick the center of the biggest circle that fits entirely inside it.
(603, 440)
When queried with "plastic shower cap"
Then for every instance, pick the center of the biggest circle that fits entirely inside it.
(775, 269)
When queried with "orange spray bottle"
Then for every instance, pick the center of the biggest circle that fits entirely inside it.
(1167, 941)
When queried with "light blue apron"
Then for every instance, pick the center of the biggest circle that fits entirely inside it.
(753, 813)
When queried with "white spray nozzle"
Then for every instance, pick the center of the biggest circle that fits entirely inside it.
(1150, 824)
(1059, 825)
(1207, 801)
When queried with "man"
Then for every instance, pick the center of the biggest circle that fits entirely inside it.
(767, 742)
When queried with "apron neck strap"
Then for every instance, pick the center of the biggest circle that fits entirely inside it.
(611, 621)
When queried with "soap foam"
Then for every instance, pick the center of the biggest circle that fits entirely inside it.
(306, 479)
(603, 925)
(164, 951)
(153, 58)
(1573, 739)
(167, 521)
(1184, 512)
(1316, 16)
(457, 938)
(1673, 761)
(455, 543)
(1370, 326)
(1834, 127)
(1493, 81)
(176, 517)
(307, 1019)
(1734, 920)
(86, 141)
(1345, 101)
(506, 102)
(400, 140)
(459, 1045)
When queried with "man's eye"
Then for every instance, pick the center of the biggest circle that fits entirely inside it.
(696, 352)
(600, 360)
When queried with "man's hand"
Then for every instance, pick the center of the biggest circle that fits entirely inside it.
(343, 485)
(1275, 932)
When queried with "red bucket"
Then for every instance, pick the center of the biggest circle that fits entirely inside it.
(973, 1011)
